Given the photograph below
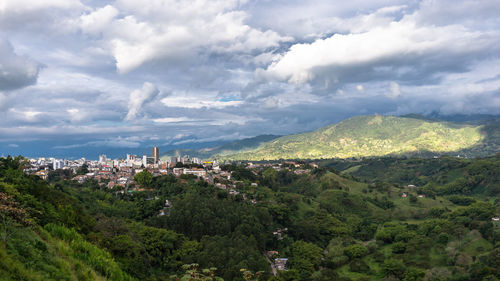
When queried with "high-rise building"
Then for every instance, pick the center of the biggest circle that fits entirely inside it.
(156, 154)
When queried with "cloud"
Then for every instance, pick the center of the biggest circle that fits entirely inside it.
(192, 139)
(38, 14)
(394, 90)
(97, 21)
(196, 102)
(360, 88)
(139, 98)
(174, 31)
(400, 50)
(118, 142)
(230, 66)
(5, 101)
(16, 71)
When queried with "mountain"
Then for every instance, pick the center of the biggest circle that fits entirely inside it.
(224, 149)
(369, 136)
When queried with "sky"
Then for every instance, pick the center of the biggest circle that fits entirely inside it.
(85, 76)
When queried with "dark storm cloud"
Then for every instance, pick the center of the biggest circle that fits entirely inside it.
(15, 71)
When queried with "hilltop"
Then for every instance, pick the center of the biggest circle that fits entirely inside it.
(375, 135)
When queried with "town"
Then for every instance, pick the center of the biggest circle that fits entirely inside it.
(118, 176)
(119, 173)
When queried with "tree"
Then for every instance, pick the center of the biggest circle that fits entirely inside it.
(306, 257)
(12, 217)
(355, 251)
(394, 268)
(193, 274)
(250, 276)
(144, 178)
(82, 170)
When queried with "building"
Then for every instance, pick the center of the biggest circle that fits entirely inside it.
(131, 158)
(156, 154)
(103, 158)
(146, 160)
(173, 161)
(196, 172)
(57, 164)
(280, 263)
(185, 159)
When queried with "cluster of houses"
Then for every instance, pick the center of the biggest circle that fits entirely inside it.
(120, 173)
(277, 263)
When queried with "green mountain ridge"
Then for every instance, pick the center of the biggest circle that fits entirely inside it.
(224, 149)
(376, 135)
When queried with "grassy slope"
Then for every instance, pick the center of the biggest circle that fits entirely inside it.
(56, 253)
(374, 136)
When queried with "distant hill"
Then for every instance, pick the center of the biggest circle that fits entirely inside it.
(224, 149)
(369, 136)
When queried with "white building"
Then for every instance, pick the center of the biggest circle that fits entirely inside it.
(57, 164)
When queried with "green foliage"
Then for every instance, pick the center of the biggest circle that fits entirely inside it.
(99, 260)
(326, 225)
(461, 200)
(193, 273)
(365, 136)
(355, 251)
(306, 257)
(393, 267)
(144, 178)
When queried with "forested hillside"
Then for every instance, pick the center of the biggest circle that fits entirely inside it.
(370, 136)
(358, 224)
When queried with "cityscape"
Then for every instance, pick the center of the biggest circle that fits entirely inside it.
(249, 140)
(120, 172)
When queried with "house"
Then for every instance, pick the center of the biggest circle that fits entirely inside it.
(44, 174)
(279, 233)
(404, 195)
(168, 204)
(421, 196)
(495, 219)
(80, 178)
(280, 263)
(178, 171)
(272, 253)
(253, 184)
(122, 181)
(196, 172)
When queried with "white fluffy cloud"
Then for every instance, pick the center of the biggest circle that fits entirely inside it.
(395, 50)
(20, 15)
(140, 32)
(138, 98)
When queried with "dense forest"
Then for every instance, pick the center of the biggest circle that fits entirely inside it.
(373, 219)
